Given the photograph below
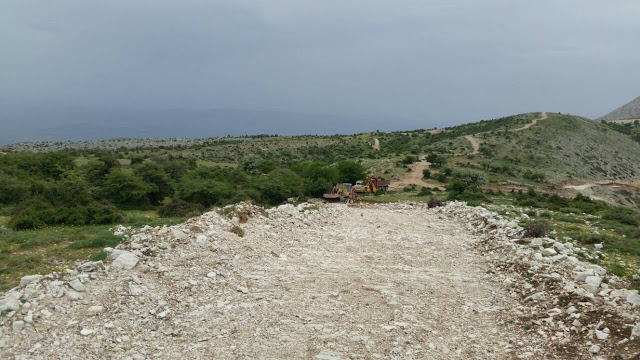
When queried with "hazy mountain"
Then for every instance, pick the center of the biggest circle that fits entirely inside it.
(39, 124)
(630, 110)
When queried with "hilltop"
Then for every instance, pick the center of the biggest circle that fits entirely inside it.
(628, 111)
(566, 147)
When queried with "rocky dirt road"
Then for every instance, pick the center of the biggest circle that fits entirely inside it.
(414, 177)
(394, 281)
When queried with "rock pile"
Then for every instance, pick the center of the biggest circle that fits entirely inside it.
(574, 305)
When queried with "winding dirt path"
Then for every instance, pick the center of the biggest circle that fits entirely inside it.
(533, 122)
(414, 177)
(474, 143)
(376, 144)
(590, 188)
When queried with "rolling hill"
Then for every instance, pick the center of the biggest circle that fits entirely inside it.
(628, 111)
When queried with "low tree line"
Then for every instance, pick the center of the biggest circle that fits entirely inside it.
(39, 190)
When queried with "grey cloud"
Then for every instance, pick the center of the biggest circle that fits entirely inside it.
(418, 63)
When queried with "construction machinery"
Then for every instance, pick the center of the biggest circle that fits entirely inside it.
(339, 192)
(342, 191)
(371, 185)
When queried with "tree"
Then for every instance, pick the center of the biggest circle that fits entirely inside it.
(350, 171)
(157, 180)
(426, 173)
(436, 160)
(205, 192)
(250, 164)
(125, 189)
(318, 177)
(279, 185)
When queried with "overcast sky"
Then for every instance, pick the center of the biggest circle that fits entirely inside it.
(414, 62)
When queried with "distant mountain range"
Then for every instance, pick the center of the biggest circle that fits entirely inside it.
(630, 110)
(79, 124)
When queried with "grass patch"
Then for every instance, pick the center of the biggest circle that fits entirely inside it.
(56, 248)
(101, 240)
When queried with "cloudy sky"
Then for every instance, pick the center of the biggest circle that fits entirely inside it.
(418, 62)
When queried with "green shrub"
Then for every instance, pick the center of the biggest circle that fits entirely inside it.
(468, 177)
(441, 177)
(100, 255)
(279, 185)
(102, 213)
(424, 191)
(621, 215)
(426, 173)
(12, 190)
(34, 213)
(123, 188)
(617, 269)
(179, 208)
(99, 241)
(204, 192)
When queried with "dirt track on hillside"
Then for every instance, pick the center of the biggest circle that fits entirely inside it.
(376, 144)
(590, 188)
(533, 122)
(414, 177)
(474, 143)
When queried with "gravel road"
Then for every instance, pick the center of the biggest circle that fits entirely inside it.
(338, 282)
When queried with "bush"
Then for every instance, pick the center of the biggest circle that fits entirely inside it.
(409, 159)
(433, 202)
(102, 213)
(279, 185)
(469, 177)
(426, 173)
(424, 191)
(125, 189)
(621, 215)
(179, 208)
(12, 190)
(535, 230)
(204, 192)
(33, 214)
(441, 177)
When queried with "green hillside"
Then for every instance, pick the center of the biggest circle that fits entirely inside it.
(565, 147)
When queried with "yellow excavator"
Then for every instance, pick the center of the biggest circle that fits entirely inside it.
(339, 192)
